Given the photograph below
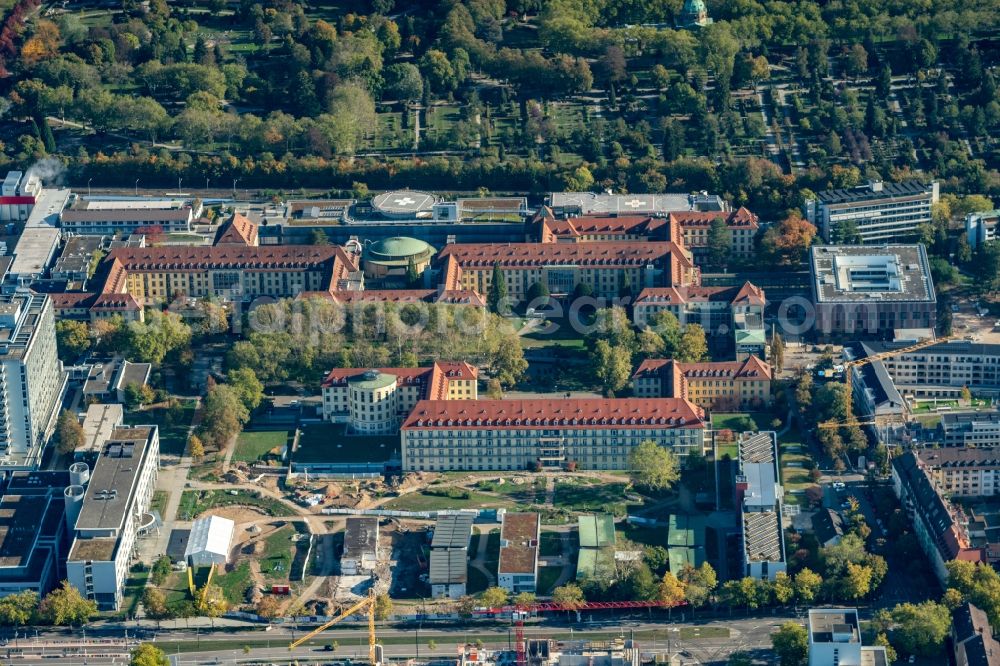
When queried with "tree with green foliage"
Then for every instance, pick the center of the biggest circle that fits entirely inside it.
(383, 607)
(19, 608)
(69, 433)
(537, 295)
(920, 629)
(72, 339)
(147, 654)
(719, 243)
(244, 382)
(693, 345)
(494, 597)
(612, 366)
(807, 585)
(136, 395)
(160, 570)
(653, 466)
(568, 596)
(223, 416)
(154, 603)
(412, 277)
(791, 644)
(318, 237)
(66, 606)
(161, 334)
(497, 296)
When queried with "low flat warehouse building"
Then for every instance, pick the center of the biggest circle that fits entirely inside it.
(882, 212)
(126, 217)
(517, 570)
(360, 546)
(591, 433)
(110, 511)
(859, 289)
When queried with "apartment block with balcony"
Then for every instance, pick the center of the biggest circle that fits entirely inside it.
(31, 379)
(970, 429)
(494, 435)
(942, 370)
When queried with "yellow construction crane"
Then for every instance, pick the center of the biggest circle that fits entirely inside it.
(368, 605)
(849, 384)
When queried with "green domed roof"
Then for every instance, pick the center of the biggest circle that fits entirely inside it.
(694, 6)
(398, 247)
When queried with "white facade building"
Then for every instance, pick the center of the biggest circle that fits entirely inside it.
(31, 378)
(107, 515)
(835, 640)
(882, 212)
(209, 541)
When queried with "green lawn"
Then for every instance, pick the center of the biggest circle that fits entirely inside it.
(327, 442)
(647, 536)
(587, 496)
(276, 560)
(723, 421)
(195, 502)
(234, 583)
(159, 501)
(134, 587)
(173, 425)
(424, 501)
(522, 493)
(253, 446)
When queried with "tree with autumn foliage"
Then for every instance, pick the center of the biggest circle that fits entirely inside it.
(786, 243)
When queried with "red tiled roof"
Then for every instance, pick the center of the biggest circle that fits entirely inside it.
(750, 368)
(116, 302)
(542, 413)
(405, 376)
(679, 295)
(238, 231)
(533, 255)
(200, 257)
(72, 299)
(741, 218)
(435, 378)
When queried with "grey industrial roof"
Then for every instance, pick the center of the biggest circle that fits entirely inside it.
(943, 348)
(902, 271)
(866, 193)
(885, 395)
(952, 457)
(361, 537)
(448, 566)
(113, 479)
(452, 531)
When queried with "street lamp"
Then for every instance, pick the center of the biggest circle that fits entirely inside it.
(88, 186)
(235, 180)
(179, 181)
(136, 187)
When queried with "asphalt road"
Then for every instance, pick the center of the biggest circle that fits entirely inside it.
(721, 637)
